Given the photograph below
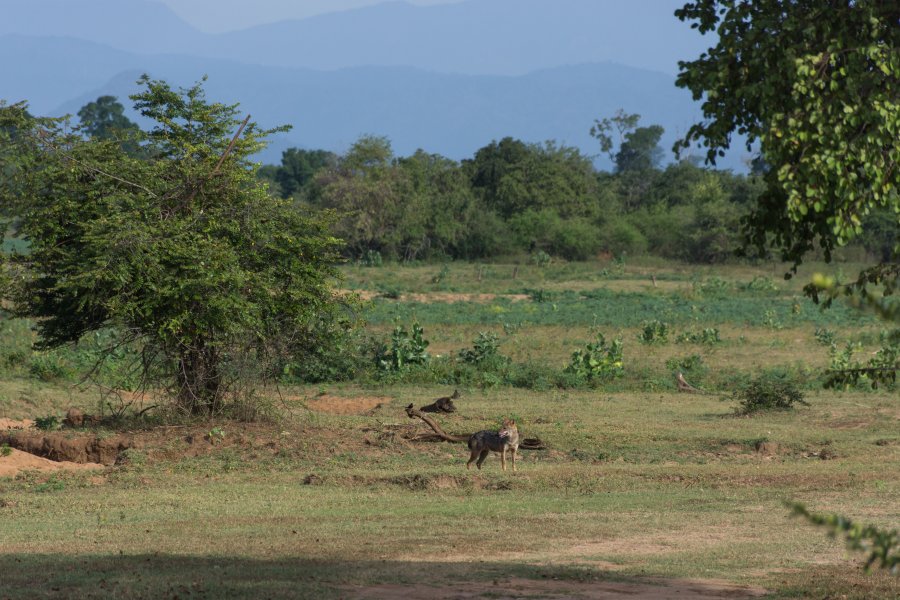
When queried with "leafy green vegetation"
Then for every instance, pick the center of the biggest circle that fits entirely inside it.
(882, 546)
(175, 249)
(407, 349)
(770, 391)
(598, 361)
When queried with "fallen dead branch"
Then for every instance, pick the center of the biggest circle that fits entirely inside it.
(411, 412)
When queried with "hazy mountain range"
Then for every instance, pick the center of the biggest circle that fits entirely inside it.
(446, 78)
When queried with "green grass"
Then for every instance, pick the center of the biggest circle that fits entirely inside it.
(638, 481)
(657, 484)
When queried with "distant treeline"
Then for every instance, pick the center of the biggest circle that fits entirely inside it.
(512, 198)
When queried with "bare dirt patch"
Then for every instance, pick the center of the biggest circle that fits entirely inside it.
(58, 447)
(17, 461)
(338, 405)
(532, 588)
(14, 424)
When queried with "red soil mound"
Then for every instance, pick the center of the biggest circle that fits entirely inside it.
(17, 461)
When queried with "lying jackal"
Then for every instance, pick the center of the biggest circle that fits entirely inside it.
(483, 442)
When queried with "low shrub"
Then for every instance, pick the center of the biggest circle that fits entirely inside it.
(485, 352)
(49, 366)
(768, 392)
(597, 361)
(708, 336)
(47, 423)
(654, 332)
(371, 258)
(407, 349)
(762, 284)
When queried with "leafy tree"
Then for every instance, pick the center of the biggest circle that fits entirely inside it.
(105, 119)
(375, 200)
(511, 176)
(637, 158)
(573, 239)
(621, 122)
(639, 148)
(298, 167)
(180, 251)
(443, 191)
(815, 85)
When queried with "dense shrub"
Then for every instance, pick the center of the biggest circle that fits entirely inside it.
(768, 392)
(597, 361)
(485, 352)
(618, 236)
(407, 349)
(573, 239)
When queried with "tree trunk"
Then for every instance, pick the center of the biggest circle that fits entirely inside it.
(200, 389)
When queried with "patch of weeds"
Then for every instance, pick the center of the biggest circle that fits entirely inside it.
(485, 352)
(407, 349)
(846, 372)
(598, 361)
(709, 336)
(761, 284)
(15, 358)
(133, 457)
(216, 434)
(441, 275)
(825, 336)
(691, 364)
(48, 423)
(540, 259)
(654, 332)
(49, 366)
(5, 450)
(389, 292)
(768, 392)
(770, 320)
(371, 258)
(540, 296)
(712, 286)
(532, 375)
(511, 328)
(51, 485)
(588, 456)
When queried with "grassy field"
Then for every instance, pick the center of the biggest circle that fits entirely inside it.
(641, 490)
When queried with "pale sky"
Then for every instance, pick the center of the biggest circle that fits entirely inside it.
(216, 16)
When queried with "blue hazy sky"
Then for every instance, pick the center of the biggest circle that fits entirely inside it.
(216, 16)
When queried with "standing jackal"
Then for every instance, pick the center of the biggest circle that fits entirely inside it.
(483, 442)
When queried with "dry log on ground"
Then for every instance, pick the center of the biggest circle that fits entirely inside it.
(411, 412)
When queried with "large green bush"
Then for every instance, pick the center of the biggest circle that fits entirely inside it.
(768, 392)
